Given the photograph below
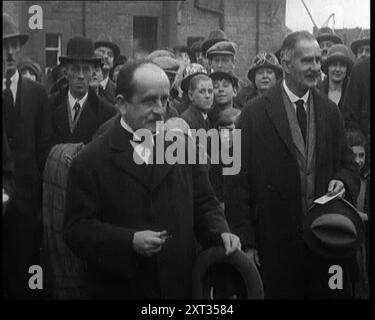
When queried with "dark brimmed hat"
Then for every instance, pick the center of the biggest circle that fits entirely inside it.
(219, 75)
(191, 70)
(363, 39)
(334, 229)
(106, 41)
(214, 37)
(327, 34)
(80, 49)
(31, 65)
(222, 47)
(10, 30)
(220, 277)
(338, 52)
(265, 60)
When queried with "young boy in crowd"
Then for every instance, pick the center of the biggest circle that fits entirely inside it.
(226, 123)
(225, 91)
(357, 143)
(201, 95)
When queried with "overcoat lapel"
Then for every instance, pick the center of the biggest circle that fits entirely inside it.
(61, 118)
(161, 170)
(321, 127)
(88, 117)
(278, 117)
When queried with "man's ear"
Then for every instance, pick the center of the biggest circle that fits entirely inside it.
(285, 61)
(235, 89)
(121, 104)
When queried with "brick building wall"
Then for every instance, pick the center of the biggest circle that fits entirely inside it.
(176, 22)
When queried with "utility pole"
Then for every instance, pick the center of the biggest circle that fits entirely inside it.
(308, 12)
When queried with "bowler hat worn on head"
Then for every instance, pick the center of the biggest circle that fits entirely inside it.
(106, 41)
(327, 34)
(191, 70)
(265, 60)
(10, 30)
(334, 229)
(220, 75)
(363, 39)
(338, 52)
(222, 47)
(214, 37)
(80, 49)
(217, 276)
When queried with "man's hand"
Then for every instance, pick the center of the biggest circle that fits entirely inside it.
(335, 187)
(148, 242)
(231, 242)
(253, 255)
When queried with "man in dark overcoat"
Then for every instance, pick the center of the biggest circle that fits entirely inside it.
(109, 51)
(290, 157)
(136, 224)
(357, 98)
(28, 132)
(78, 112)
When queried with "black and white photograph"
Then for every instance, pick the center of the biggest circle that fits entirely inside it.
(201, 151)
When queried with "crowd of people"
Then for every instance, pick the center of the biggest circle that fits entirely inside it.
(104, 227)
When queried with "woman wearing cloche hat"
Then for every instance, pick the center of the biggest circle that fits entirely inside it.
(264, 72)
(337, 67)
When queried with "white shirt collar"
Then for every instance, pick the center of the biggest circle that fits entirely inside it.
(129, 129)
(14, 84)
(104, 82)
(204, 115)
(143, 151)
(293, 98)
(73, 100)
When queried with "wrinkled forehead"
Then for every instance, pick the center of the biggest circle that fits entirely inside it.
(307, 48)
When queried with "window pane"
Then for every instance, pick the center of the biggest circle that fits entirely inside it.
(51, 58)
(52, 40)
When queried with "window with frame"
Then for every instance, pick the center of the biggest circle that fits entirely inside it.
(53, 50)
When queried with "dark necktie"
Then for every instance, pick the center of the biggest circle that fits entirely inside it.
(302, 118)
(7, 93)
(76, 110)
(9, 110)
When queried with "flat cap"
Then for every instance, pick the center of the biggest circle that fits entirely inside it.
(222, 47)
(214, 37)
(168, 64)
(160, 53)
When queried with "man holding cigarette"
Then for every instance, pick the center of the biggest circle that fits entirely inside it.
(136, 225)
